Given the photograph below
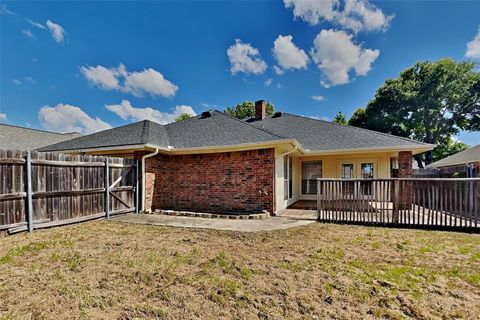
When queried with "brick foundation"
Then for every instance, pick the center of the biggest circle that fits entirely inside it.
(226, 182)
(405, 170)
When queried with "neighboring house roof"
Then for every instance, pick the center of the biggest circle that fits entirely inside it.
(20, 138)
(320, 135)
(463, 157)
(216, 129)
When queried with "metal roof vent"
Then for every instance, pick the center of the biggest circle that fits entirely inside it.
(277, 114)
(206, 114)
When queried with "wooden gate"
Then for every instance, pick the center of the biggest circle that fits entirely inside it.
(39, 190)
(413, 202)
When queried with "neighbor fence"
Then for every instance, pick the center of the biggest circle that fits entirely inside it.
(39, 190)
(413, 202)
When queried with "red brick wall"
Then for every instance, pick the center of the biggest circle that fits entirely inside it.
(240, 181)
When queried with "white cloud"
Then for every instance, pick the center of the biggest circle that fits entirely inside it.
(268, 82)
(354, 15)
(278, 70)
(67, 118)
(126, 111)
(28, 33)
(148, 81)
(36, 24)
(17, 82)
(318, 98)
(4, 10)
(30, 80)
(245, 58)
(101, 77)
(57, 31)
(3, 116)
(473, 47)
(336, 55)
(288, 55)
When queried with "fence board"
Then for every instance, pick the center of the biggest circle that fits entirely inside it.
(64, 188)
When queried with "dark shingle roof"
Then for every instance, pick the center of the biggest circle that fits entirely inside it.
(463, 157)
(219, 129)
(315, 134)
(141, 132)
(216, 130)
(19, 138)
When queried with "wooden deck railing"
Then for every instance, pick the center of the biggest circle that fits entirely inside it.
(428, 202)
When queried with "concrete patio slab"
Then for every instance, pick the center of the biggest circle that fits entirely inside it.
(273, 223)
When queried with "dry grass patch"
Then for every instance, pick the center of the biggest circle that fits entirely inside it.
(126, 271)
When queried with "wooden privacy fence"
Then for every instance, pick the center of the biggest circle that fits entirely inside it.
(413, 202)
(39, 190)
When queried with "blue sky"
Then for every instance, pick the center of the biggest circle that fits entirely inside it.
(87, 66)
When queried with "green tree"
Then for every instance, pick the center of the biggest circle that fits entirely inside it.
(340, 118)
(246, 109)
(183, 116)
(447, 148)
(429, 102)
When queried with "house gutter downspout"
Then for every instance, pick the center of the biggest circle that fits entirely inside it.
(143, 175)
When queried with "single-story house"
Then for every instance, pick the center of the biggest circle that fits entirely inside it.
(216, 163)
(20, 138)
(465, 163)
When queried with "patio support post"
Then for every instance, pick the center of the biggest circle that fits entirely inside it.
(405, 170)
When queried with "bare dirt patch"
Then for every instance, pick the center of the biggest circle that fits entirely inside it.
(112, 270)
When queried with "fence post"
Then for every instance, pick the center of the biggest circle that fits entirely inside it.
(136, 186)
(107, 189)
(29, 192)
(396, 200)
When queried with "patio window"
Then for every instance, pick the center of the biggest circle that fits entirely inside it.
(311, 171)
(367, 173)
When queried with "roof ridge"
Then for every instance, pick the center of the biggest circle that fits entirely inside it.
(249, 125)
(145, 131)
(165, 131)
(358, 128)
(40, 130)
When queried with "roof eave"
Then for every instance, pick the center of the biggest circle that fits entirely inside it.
(414, 149)
(235, 147)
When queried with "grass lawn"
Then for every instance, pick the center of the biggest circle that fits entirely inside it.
(123, 271)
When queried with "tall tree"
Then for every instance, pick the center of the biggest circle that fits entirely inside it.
(183, 116)
(340, 118)
(246, 109)
(447, 148)
(429, 102)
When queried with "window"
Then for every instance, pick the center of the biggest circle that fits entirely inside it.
(367, 173)
(347, 171)
(311, 171)
(367, 170)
